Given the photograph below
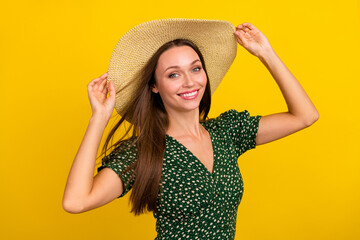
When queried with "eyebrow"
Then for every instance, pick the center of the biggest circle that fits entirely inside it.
(178, 66)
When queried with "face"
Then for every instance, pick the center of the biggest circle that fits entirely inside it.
(180, 79)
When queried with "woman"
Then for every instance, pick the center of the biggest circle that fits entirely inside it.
(179, 164)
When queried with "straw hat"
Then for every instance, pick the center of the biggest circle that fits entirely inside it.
(214, 38)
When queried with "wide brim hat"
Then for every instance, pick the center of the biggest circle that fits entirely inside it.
(214, 38)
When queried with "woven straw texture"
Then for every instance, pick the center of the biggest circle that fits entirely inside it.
(215, 39)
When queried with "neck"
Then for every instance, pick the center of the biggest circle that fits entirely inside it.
(184, 124)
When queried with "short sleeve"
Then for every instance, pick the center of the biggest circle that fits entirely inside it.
(119, 160)
(241, 128)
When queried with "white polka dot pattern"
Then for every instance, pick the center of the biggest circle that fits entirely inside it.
(118, 160)
(192, 202)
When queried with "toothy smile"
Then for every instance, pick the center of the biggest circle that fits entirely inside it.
(189, 95)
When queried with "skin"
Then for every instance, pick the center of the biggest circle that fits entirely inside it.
(183, 114)
(84, 192)
(183, 78)
(301, 111)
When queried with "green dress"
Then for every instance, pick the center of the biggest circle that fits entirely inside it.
(194, 203)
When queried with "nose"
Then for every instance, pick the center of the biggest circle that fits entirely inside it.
(188, 80)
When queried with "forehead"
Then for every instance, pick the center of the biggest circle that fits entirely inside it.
(177, 56)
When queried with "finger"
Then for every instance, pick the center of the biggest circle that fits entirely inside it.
(246, 28)
(105, 89)
(104, 75)
(239, 27)
(94, 83)
(96, 80)
(102, 84)
(237, 33)
(111, 89)
(248, 25)
(242, 32)
(241, 36)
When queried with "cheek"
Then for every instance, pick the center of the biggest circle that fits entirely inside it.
(204, 79)
(168, 87)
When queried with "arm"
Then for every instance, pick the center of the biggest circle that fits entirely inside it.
(301, 111)
(83, 191)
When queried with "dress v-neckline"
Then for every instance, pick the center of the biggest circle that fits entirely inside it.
(193, 155)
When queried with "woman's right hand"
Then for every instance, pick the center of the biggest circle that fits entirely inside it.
(97, 93)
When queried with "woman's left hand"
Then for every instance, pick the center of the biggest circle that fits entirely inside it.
(254, 41)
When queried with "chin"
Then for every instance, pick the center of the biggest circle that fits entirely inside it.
(190, 106)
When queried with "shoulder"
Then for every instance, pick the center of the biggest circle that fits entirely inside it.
(230, 118)
(125, 149)
(233, 122)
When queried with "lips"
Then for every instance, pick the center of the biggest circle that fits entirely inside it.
(189, 94)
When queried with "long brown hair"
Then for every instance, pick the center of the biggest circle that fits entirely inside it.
(149, 122)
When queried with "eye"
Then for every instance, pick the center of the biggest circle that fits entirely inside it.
(171, 75)
(199, 68)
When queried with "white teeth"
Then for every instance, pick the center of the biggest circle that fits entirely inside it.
(189, 94)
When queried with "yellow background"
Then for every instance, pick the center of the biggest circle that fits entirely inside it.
(304, 186)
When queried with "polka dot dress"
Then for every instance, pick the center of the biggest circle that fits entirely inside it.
(194, 203)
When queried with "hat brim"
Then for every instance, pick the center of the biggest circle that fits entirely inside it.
(214, 38)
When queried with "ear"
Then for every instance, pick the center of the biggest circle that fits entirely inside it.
(154, 89)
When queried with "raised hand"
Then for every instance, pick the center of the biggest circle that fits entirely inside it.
(97, 92)
(254, 41)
